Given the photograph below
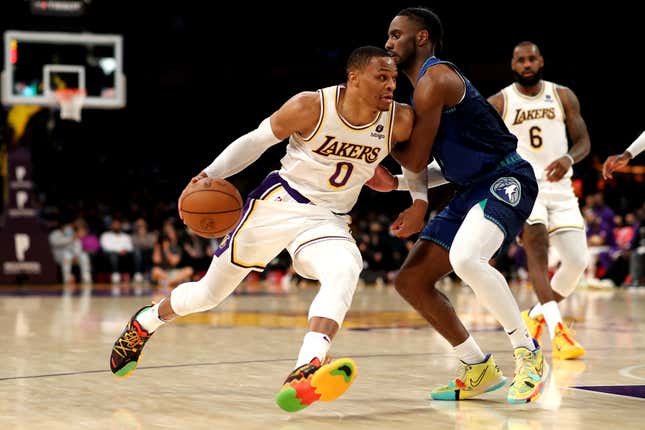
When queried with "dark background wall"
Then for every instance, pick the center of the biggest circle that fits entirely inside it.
(200, 75)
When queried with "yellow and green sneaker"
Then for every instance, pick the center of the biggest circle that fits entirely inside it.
(531, 372)
(312, 382)
(472, 380)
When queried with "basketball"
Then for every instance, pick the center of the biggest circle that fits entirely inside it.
(211, 207)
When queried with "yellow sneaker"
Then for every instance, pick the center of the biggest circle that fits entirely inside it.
(531, 372)
(471, 380)
(534, 325)
(565, 346)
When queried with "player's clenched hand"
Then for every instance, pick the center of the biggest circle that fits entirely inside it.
(411, 220)
(201, 175)
(556, 170)
(382, 180)
(613, 163)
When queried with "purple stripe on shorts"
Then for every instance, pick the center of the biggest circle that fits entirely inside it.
(272, 179)
(226, 240)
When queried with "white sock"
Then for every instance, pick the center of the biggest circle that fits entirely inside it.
(535, 311)
(469, 352)
(520, 338)
(552, 316)
(149, 318)
(313, 345)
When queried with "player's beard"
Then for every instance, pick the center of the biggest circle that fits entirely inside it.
(528, 82)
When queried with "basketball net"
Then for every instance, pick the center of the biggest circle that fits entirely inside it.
(70, 101)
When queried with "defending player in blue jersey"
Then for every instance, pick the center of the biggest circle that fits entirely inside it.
(496, 190)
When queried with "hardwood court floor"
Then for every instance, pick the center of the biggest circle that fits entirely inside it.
(221, 369)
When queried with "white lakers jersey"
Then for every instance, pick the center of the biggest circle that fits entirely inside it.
(538, 123)
(331, 165)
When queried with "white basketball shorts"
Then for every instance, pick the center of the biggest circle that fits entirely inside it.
(557, 207)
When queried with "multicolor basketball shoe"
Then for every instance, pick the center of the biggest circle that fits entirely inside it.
(127, 348)
(565, 346)
(313, 381)
(531, 372)
(535, 325)
(472, 380)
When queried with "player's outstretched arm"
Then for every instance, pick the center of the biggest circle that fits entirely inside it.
(297, 115)
(614, 162)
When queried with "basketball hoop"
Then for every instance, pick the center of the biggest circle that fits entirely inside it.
(70, 101)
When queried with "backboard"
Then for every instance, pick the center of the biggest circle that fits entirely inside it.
(36, 64)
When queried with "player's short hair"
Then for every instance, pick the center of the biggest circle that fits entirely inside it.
(528, 43)
(360, 57)
(428, 20)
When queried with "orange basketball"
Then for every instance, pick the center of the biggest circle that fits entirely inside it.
(211, 207)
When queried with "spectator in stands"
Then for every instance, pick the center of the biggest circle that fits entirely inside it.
(89, 241)
(143, 242)
(637, 256)
(67, 250)
(197, 250)
(166, 257)
(117, 247)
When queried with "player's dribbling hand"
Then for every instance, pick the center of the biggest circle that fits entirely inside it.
(411, 220)
(201, 175)
(382, 180)
(613, 163)
(556, 170)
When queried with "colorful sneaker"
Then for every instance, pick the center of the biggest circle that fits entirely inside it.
(564, 345)
(127, 348)
(535, 325)
(472, 380)
(531, 372)
(313, 381)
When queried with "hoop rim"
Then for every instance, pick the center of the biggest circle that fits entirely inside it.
(65, 94)
(70, 102)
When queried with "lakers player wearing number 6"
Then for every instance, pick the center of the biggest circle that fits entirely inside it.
(541, 114)
(336, 138)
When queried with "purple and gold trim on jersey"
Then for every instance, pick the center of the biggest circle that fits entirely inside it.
(317, 240)
(347, 123)
(321, 118)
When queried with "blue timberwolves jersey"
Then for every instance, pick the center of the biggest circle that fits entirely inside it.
(472, 139)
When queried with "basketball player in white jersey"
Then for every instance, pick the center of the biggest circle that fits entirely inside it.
(541, 114)
(617, 161)
(337, 137)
